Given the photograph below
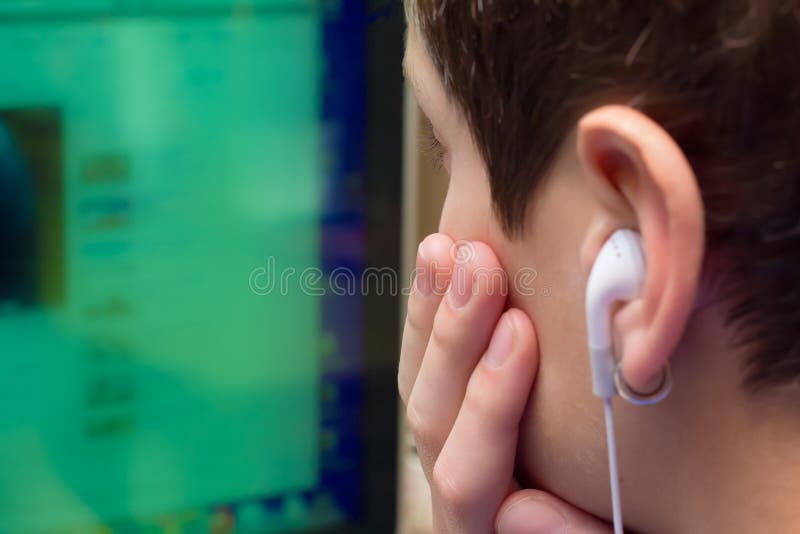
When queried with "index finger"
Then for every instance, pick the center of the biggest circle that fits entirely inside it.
(433, 270)
(473, 473)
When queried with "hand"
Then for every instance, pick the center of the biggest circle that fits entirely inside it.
(532, 511)
(466, 369)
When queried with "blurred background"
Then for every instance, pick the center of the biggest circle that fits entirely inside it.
(209, 213)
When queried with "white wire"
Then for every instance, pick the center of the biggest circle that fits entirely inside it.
(613, 471)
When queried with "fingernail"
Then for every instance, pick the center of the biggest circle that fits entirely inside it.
(461, 283)
(423, 272)
(531, 516)
(501, 344)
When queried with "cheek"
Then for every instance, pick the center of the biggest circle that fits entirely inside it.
(560, 449)
(466, 213)
(467, 210)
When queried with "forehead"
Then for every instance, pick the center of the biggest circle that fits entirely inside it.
(426, 83)
(421, 75)
(412, 63)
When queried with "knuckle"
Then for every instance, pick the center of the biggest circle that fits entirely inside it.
(417, 423)
(480, 394)
(453, 493)
(416, 319)
(487, 403)
(445, 336)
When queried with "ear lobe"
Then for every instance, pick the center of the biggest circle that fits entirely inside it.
(642, 180)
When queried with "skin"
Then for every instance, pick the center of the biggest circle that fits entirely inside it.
(711, 458)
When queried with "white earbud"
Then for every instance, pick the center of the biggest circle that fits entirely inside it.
(617, 275)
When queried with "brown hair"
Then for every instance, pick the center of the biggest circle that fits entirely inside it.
(722, 77)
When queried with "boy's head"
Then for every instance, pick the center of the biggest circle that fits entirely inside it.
(562, 121)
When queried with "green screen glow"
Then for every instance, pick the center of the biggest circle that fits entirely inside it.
(172, 156)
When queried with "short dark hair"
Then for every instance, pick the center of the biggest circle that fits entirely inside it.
(722, 77)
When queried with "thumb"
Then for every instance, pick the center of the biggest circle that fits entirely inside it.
(536, 512)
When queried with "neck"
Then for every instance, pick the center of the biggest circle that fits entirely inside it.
(739, 469)
(748, 474)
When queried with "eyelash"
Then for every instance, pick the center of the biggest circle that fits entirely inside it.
(431, 146)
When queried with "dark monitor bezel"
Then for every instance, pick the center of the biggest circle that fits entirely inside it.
(383, 211)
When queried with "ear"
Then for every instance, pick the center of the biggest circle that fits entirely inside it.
(642, 180)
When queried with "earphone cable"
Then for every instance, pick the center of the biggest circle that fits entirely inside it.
(613, 470)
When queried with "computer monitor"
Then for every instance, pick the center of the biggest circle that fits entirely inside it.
(182, 185)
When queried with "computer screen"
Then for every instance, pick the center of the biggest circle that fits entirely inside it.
(178, 179)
